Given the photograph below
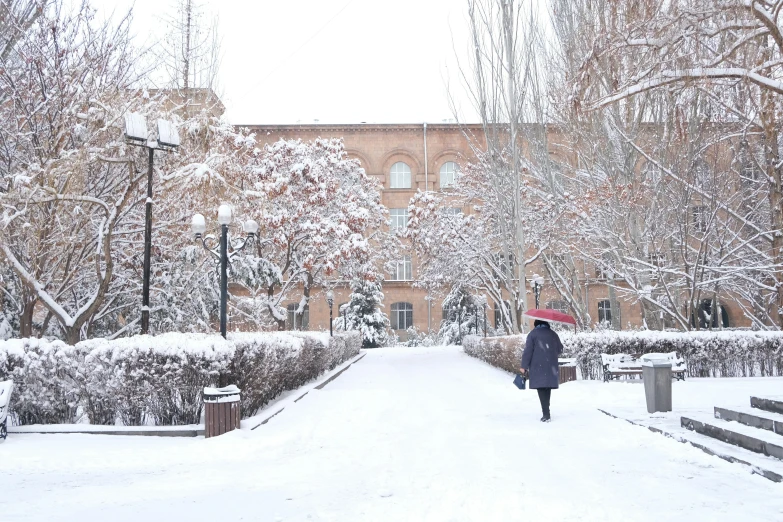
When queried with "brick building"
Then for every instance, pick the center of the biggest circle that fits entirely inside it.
(405, 158)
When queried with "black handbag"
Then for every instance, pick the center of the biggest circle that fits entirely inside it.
(519, 381)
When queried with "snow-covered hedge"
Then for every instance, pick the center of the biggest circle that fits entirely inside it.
(501, 352)
(159, 380)
(707, 353)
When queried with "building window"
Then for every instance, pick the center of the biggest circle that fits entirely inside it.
(657, 259)
(298, 321)
(605, 312)
(403, 270)
(505, 267)
(453, 211)
(399, 218)
(449, 311)
(401, 316)
(499, 314)
(708, 318)
(700, 218)
(448, 175)
(750, 172)
(605, 269)
(560, 306)
(400, 175)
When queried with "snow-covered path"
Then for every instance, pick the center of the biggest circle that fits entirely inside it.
(404, 435)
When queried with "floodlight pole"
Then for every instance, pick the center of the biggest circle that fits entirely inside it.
(137, 135)
(145, 292)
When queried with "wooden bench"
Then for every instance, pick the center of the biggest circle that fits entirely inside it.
(615, 366)
(621, 364)
(678, 365)
(5, 404)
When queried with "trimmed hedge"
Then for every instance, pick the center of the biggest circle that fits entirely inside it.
(707, 353)
(159, 380)
(501, 352)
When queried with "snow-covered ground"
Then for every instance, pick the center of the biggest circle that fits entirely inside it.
(406, 434)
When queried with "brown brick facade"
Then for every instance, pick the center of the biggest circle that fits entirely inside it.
(378, 147)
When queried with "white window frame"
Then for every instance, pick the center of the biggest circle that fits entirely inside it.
(560, 306)
(448, 175)
(403, 270)
(401, 310)
(398, 218)
(604, 306)
(400, 176)
(453, 211)
(297, 321)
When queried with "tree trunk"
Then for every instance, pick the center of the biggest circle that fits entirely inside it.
(771, 150)
(26, 318)
(72, 335)
(519, 236)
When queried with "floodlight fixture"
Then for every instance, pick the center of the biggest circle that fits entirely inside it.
(167, 134)
(136, 127)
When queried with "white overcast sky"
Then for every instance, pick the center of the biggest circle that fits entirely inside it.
(337, 61)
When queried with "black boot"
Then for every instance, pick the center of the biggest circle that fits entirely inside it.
(545, 418)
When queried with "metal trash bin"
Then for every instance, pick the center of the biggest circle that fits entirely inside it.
(657, 375)
(221, 410)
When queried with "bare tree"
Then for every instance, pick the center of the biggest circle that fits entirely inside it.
(503, 79)
(191, 54)
(16, 18)
(731, 51)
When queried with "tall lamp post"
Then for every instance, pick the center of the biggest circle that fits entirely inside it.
(537, 282)
(168, 140)
(330, 300)
(199, 225)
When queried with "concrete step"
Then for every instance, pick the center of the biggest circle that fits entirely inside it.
(768, 467)
(767, 404)
(752, 439)
(755, 419)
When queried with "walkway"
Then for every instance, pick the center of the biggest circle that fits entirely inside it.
(405, 435)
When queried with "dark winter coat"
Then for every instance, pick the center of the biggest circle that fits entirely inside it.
(540, 357)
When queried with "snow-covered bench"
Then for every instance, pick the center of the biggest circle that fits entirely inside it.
(678, 365)
(620, 364)
(5, 404)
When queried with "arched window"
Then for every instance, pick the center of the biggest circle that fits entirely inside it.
(298, 321)
(400, 175)
(708, 318)
(401, 316)
(448, 175)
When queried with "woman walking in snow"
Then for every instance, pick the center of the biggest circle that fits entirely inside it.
(539, 363)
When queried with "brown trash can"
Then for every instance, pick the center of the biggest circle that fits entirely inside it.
(221, 410)
(567, 370)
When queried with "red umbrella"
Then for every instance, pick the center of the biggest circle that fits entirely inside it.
(554, 316)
